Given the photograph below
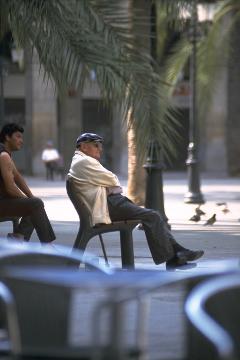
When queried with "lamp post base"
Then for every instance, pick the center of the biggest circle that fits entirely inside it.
(194, 195)
(193, 198)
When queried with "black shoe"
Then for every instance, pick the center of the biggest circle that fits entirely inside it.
(15, 238)
(190, 255)
(176, 261)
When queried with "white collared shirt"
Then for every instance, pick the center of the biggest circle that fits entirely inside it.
(92, 182)
(50, 155)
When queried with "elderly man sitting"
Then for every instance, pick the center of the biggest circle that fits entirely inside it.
(101, 191)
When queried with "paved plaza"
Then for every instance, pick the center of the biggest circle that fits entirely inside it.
(220, 241)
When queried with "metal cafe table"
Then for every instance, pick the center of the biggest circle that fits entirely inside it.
(66, 313)
(76, 314)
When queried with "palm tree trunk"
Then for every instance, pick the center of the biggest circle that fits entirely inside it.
(136, 173)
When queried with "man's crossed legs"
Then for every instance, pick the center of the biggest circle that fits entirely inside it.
(161, 242)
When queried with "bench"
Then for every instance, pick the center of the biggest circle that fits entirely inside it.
(86, 231)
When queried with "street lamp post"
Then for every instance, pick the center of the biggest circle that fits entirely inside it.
(154, 163)
(194, 195)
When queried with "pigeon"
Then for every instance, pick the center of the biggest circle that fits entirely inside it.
(221, 204)
(195, 218)
(211, 220)
(225, 210)
(198, 211)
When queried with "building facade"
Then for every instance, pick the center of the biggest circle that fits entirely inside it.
(45, 116)
(36, 105)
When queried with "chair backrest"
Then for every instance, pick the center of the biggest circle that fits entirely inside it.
(12, 342)
(58, 311)
(213, 312)
(31, 258)
(33, 255)
(42, 312)
(81, 208)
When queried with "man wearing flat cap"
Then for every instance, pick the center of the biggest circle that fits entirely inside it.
(101, 192)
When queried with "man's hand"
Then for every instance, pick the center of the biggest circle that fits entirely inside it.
(114, 190)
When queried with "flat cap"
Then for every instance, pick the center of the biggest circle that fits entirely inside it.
(88, 137)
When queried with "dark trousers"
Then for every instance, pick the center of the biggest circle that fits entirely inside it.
(33, 215)
(161, 243)
(50, 169)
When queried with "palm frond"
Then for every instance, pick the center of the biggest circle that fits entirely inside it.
(73, 38)
(212, 54)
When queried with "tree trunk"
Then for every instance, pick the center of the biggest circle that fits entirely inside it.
(136, 173)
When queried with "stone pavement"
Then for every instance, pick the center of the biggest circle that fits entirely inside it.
(219, 241)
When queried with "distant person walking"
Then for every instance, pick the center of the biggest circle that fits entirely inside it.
(51, 157)
(16, 198)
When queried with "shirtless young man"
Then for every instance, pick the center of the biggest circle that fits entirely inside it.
(16, 198)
